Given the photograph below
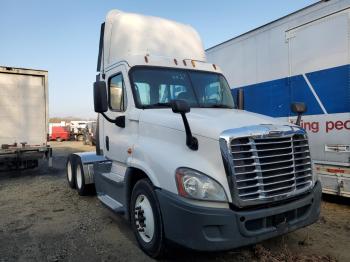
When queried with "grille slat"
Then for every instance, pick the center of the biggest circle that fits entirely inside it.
(262, 150)
(269, 191)
(270, 156)
(298, 146)
(303, 164)
(278, 175)
(267, 167)
(306, 176)
(262, 143)
(267, 184)
(274, 176)
(272, 143)
(264, 164)
(304, 183)
(265, 170)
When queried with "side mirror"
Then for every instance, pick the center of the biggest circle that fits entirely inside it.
(298, 108)
(101, 103)
(180, 106)
(100, 97)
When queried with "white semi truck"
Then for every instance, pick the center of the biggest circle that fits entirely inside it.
(24, 118)
(176, 157)
(303, 57)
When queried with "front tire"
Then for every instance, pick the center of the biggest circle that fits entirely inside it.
(146, 219)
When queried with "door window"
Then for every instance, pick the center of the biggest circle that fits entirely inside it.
(116, 93)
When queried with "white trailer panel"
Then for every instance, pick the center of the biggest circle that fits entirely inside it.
(23, 113)
(302, 57)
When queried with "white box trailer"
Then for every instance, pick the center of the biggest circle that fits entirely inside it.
(24, 117)
(303, 57)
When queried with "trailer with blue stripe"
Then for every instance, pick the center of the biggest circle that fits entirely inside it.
(302, 57)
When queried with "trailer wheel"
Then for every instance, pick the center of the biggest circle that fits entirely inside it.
(70, 174)
(146, 219)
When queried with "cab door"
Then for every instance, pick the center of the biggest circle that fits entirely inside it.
(117, 140)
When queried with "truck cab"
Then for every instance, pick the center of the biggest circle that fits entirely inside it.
(176, 157)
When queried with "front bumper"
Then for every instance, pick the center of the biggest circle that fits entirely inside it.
(213, 229)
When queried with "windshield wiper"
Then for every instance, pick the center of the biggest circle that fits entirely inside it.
(218, 106)
(157, 105)
(161, 104)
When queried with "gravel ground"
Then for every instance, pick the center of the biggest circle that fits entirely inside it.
(41, 219)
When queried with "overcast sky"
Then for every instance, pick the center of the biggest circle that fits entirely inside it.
(62, 36)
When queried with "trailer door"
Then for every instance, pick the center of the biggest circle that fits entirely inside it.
(319, 76)
(22, 109)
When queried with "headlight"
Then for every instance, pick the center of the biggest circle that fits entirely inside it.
(196, 185)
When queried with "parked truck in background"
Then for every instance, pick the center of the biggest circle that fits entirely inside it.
(176, 157)
(305, 57)
(77, 129)
(89, 133)
(24, 118)
(59, 134)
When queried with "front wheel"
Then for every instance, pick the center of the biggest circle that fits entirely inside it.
(146, 219)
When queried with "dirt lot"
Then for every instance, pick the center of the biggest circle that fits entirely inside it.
(41, 219)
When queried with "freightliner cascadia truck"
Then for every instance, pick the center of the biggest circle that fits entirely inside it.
(176, 157)
(24, 118)
(305, 57)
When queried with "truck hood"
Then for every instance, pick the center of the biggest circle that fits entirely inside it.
(207, 122)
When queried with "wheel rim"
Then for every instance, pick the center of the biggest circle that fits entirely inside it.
(144, 218)
(79, 177)
(69, 171)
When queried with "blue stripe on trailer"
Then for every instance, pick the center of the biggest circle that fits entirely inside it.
(268, 98)
(333, 88)
(300, 92)
(273, 98)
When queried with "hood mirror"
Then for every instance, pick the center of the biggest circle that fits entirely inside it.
(298, 108)
(182, 107)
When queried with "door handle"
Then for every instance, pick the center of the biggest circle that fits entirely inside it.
(107, 143)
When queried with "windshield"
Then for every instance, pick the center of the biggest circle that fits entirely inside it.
(156, 87)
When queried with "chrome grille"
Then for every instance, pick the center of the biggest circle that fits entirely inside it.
(267, 167)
